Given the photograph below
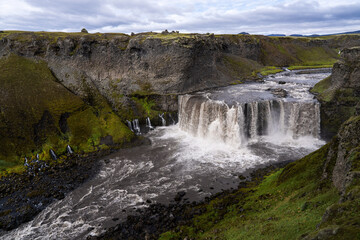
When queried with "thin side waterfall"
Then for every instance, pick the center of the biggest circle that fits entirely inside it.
(237, 124)
(172, 119)
(129, 125)
(69, 149)
(136, 126)
(148, 124)
(163, 121)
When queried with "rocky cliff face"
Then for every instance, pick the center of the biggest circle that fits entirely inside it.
(340, 93)
(157, 63)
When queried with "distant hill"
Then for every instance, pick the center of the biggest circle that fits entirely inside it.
(354, 32)
(277, 35)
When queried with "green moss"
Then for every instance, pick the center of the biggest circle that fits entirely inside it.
(316, 56)
(240, 67)
(355, 159)
(145, 106)
(236, 82)
(31, 92)
(321, 87)
(32, 104)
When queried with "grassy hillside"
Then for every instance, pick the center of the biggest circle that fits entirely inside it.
(38, 114)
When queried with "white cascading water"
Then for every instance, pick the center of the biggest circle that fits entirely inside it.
(240, 123)
(163, 121)
(244, 113)
(148, 124)
(136, 126)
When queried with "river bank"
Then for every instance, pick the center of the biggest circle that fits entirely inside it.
(24, 195)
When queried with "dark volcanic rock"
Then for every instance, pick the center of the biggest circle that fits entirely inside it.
(279, 92)
(23, 196)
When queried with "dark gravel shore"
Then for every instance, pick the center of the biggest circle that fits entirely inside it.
(23, 196)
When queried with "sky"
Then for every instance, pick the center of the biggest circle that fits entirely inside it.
(188, 16)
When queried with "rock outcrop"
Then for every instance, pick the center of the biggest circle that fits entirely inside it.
(340, 93)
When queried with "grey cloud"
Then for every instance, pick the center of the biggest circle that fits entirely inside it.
(151, 15)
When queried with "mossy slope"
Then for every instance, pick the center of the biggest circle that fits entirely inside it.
(37, 113)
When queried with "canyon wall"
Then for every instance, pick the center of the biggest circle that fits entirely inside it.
(79, 89)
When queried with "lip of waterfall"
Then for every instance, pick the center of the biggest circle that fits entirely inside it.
(296, 85)
(246, 113)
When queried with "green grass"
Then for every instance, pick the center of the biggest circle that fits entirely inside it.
(269, 70)
(239, 67)
(312, 66)
(323, 89)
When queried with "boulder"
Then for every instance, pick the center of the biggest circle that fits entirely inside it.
(279, 92)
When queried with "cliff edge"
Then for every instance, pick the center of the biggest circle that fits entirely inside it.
(339, 94)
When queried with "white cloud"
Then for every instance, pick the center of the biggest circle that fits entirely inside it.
(233, 16)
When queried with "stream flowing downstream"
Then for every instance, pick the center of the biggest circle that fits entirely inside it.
(221, 133)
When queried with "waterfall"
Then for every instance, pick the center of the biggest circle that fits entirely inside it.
(52, 154)
(172, 119)
(69, 149)
(129, 125)
(136, 126)
(242, 122)
(163, 121)
(148, 124)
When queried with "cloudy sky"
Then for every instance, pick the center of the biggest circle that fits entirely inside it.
(217, 16)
